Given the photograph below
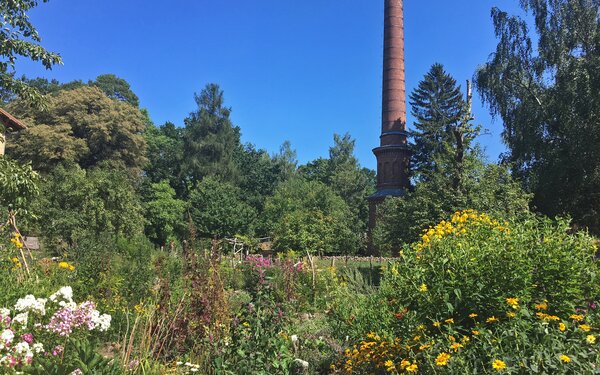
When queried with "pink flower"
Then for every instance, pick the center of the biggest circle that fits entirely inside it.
(27, 337)
(57, 350)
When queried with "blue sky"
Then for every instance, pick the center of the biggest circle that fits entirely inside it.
(291, 70)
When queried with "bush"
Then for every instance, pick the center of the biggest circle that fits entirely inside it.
(474, 262)
(477, 295)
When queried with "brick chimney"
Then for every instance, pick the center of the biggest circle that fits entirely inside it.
(392, 155)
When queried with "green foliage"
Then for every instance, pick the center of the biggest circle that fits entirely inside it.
(18, 185)
(165, 154)
(100, 200)
(439, 109)
(86, 359)
(260, 173)
(18, 37)
(81, 126)
(210, 140)
(450, 171)
(164, 213)
(309, 216)
(547, 95)
(343, 174)
(116, 88)
(217, 209)
(472, 263)
(489, 188)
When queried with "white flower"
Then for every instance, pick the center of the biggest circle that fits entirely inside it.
(64, 294)
(7, 336)
(294, 338)
(4, 312)
(38, 347)
(101, 322)
(30, 303)
(21, 318)
(22, 348)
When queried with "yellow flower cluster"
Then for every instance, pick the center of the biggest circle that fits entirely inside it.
(66, 266)
(459, 224)
(17, 241)
(378, 354)
(16, 263)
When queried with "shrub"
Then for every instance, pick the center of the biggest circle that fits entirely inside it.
(474, 262)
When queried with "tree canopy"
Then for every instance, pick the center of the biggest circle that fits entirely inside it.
(543, 84)
(19, 38)
(83, 126)
(210, 140)
(308, 215)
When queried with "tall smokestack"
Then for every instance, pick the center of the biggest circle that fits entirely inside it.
(393, 117)
(392, 155)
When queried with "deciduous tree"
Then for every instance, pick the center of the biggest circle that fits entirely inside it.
(545, 86)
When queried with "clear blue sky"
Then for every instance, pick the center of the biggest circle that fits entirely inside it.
(291, 70)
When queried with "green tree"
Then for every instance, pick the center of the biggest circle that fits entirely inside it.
(443, 131)
(545, 86)
(308, 216)
(165, 154)
(164, 213)
(217, 209)
(18, 37)
(488, 188)
(75, 202)
(348, 180)
(83, 126)
(451, 172)
(210, 140)
(344, 175)
(116, 88)
(19, 185)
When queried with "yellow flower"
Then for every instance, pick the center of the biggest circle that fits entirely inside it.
(585, 328)
(437, 324)
(456, 346)
(246, 324)
(475, 332)
(424, 346)
(562, 327)
(565, 358)
(499, 365)
(473, 315)
(491, 320)
(404, 363)
(71, 267)
(442, 359)
(449, 321)
(423, 288)
(412, 368)
(390, 365)
(63, 265)
(591, 339)
(511, 314)
(541, 306)
(513, 302)
(576, 317)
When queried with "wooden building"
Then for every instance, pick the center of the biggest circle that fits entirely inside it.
(8, 123)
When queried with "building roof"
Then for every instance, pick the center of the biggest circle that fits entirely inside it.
(10, 122)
